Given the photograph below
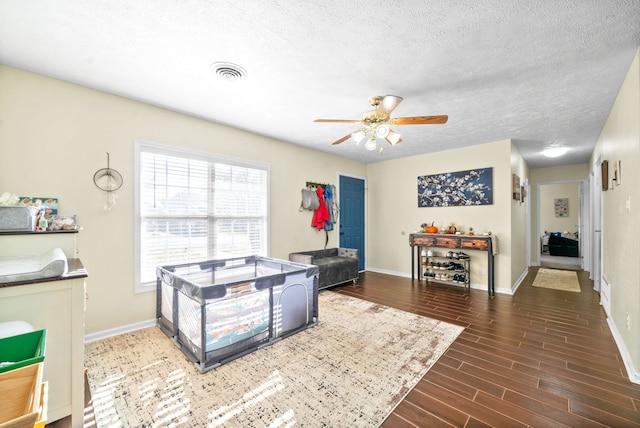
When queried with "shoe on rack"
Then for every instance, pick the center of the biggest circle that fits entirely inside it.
(463, 256)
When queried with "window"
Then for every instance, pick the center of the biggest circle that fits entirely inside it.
(193, 206)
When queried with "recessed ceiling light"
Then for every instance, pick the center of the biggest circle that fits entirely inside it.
(228, 71)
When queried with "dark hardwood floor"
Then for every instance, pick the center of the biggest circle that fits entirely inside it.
(541, 357)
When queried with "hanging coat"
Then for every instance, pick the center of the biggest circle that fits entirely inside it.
(321, 215)
(329, 201)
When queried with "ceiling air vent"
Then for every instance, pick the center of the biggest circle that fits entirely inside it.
(228, 72)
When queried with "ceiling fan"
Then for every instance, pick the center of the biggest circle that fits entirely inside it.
(376, 122)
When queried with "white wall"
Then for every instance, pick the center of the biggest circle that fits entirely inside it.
(394, 213)
(54, 136)
(620, 140)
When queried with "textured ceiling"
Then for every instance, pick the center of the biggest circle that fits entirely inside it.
(535, 71)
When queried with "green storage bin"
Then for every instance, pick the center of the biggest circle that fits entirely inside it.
(22, 350)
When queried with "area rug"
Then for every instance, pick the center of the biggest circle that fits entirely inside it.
(350, 370)
(557, 279)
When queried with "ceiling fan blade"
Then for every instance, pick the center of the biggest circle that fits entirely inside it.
(420, 120)
(389, 102)
(338, 120)
(343, 139)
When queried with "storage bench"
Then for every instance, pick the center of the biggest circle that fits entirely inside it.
(219, 310)
(336, 265)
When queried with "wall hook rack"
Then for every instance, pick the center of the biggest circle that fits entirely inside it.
(314, 184)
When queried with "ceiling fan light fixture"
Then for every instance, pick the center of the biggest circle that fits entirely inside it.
(358, 136)
(376, 123)
(554, 151)
(371, 143)
(393, 138)
(382, 131)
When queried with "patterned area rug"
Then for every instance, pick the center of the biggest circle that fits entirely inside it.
(557, 279)
(350, 370)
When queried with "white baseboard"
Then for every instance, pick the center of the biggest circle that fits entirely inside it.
(515, 286)
(92, 337)
(632, 372)
(389, 272)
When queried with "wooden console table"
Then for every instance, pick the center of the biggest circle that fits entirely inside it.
(461, 242)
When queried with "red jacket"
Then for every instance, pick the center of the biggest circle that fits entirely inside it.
(321, 215)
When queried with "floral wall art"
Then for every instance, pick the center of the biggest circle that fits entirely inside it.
(461, 188)
(561, 207)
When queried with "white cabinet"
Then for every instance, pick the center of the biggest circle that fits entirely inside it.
(58, 306)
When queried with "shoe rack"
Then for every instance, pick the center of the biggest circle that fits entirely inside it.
(451, 267)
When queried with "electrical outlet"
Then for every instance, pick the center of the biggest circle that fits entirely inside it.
(628, 322)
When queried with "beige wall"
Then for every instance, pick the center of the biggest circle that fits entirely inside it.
(620, 140)
(54, 136)
(548, 220)
(518, 235)
(393, 184)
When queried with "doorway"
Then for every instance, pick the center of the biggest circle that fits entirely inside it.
(352, 216)
(596, 214)
(561, 211)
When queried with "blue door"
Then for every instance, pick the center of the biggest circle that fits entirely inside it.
(352, 216)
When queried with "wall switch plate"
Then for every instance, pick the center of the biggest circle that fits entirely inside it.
(628, 204)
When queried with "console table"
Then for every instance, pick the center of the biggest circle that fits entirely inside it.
(461, 242)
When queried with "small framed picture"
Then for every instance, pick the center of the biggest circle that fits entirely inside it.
(49, 204)
(561, 207)
(515, 188)
(604, 175)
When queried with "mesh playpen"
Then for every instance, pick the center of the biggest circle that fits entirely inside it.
(219, 310)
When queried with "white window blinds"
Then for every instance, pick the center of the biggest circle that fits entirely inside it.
(195, 207)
